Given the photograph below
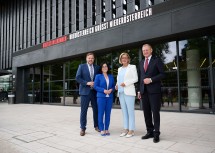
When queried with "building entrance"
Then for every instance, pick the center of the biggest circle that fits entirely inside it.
(188, 86)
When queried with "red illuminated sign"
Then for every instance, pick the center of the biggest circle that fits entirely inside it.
(55, 41)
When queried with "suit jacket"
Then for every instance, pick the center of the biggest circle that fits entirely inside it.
(100, 85)
(155, 71)
(130, 78)
(83, 76)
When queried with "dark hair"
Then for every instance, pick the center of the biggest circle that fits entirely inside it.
(103, 64)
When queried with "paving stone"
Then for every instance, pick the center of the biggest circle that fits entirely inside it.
(28, 128)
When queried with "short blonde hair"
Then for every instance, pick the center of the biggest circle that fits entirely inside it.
(120, 57)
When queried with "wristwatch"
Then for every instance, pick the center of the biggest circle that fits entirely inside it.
(150, 80)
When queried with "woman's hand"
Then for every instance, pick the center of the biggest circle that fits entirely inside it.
(116, 87)
(110, 90)
(106, 92)
(122, 84)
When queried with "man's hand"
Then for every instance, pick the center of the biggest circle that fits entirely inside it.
(138, 95)
(147, 80)
(91, 84)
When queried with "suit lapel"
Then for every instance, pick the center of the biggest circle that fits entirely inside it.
(94, 71)
(110, 81)
(149, 64)
(88, 71)
(106, 82)
(142, 65)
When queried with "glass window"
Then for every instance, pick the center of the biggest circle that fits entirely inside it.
(105, 58)
(33, 94)
(37, 87)
(5, 86)
(53, 83)
(194, 74)
(212, 82)
(71, 86)
(167, 52)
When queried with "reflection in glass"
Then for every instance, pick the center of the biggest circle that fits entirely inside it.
(194, 70)
(167, 52)
(53, 83)
(71, 87)
(33, 93)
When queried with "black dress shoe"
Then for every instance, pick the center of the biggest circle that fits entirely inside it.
(97, 129)
(147, 136)
(156, 139)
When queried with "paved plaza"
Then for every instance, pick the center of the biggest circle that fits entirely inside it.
(28, 128)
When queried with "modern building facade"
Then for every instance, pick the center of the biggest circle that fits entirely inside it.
(42, 42)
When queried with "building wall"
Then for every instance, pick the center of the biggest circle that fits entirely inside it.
(176, 21)
(26, 24)
(28, 27)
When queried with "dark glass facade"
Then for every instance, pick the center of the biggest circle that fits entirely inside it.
(44, 41)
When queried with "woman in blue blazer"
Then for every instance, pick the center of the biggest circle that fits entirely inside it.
(104, 85)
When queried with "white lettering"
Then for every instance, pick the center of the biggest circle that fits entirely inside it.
(147, 14)
(150, 11)
(135, 16)
(124, 19)
(111, 24)
(116, 22)
(132, 19)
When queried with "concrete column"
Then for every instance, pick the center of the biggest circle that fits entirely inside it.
(193, 79)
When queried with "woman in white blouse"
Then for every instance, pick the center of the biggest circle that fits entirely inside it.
(127, 76)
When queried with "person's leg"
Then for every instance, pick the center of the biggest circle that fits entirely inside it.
(168, 100)
(155, 105)
(84, 107)
(124, 110)
(101, 108)
(171, 101)
(129, 101)
(109, 102)
(94, 107)
(147, 113)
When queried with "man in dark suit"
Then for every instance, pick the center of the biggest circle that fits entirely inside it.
(151, 71)
(85, 77)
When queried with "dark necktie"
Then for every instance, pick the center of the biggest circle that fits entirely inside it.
(146, 64)
(91, 72)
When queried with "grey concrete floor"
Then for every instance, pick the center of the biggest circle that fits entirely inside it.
(28, 128)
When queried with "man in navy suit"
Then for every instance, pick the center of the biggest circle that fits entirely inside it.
(151, 71)
(85, 77)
